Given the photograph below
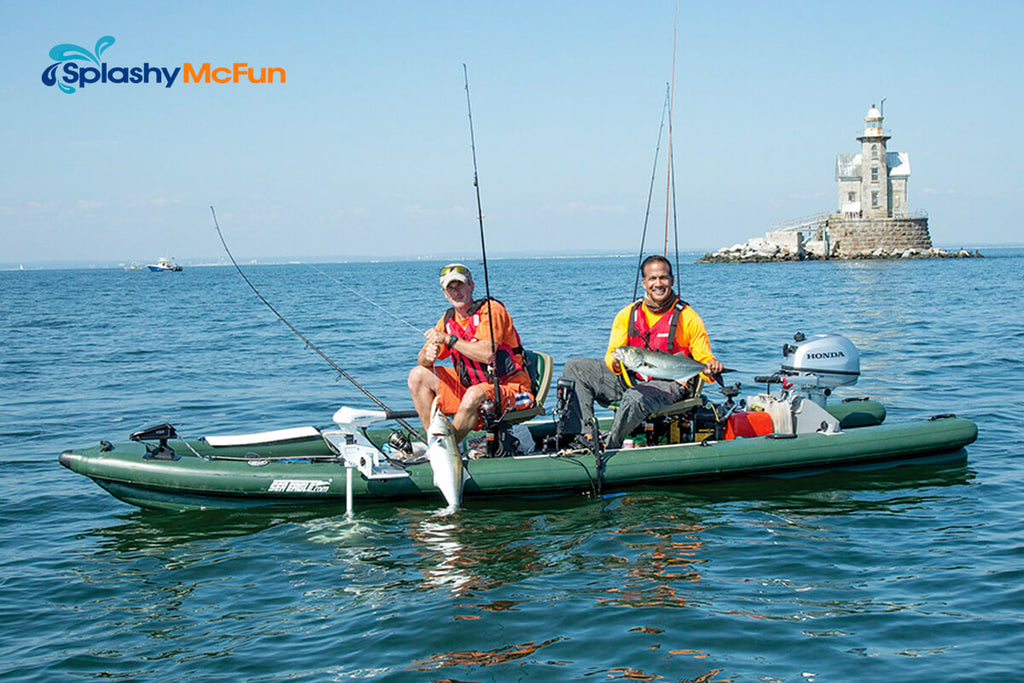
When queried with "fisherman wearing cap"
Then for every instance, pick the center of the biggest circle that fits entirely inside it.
(660, 321)
(464, 333)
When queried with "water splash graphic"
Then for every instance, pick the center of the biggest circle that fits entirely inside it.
(68, 51)
(50, 74)
(103, 43)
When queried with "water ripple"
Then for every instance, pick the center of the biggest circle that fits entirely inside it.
(905, 574)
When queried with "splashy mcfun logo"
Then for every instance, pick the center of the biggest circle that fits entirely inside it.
(68, 74)
(75, 67)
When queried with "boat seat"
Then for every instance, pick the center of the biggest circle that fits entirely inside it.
(680, 407)
(539, 366)
(677, 408)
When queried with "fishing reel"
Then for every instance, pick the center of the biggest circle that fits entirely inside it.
(499, 440)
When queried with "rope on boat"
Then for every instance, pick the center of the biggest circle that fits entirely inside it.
(275, 458)
(570, 456)
(194, 452)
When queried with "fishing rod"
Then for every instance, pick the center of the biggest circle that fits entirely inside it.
(671, 109)
(367, 299)
(498, 405)
(309, 344)
(671, 155)
(671, 212)
(650, 194)
(675, 215)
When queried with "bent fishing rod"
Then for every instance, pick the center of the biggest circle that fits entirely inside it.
(391, 413)
(498, 405)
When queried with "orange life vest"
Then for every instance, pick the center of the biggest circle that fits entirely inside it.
(508, 359)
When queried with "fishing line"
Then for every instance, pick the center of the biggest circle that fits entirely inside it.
(650, 194)
(367, 299)
(499, 408)
(291, 327)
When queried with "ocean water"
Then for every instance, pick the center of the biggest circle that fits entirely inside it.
(912, 574)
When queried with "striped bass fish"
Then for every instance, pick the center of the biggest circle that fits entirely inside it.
(444, 457)
(658, 364)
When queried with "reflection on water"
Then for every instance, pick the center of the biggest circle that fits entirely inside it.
(150, 532)
(445, 559)
(652, 571)
(657, 555)
(464, 555)
(852, 575)
(500, 655)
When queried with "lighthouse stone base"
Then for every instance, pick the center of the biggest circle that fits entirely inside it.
(859, 237)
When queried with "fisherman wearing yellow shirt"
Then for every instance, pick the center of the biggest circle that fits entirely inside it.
(660, 321)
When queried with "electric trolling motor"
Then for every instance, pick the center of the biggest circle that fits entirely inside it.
(568, 422)
(160, 433)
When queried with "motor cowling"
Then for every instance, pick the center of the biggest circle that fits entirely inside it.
(831, 358)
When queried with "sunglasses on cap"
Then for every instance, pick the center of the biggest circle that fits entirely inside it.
(456, 268)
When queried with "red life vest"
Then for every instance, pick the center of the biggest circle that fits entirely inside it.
(658, 337)
(508, 359)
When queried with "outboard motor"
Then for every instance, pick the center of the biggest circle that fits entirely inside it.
(811, 368)
(821, 363)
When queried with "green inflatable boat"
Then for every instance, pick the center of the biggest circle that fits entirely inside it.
(358, 459)
(308, 465)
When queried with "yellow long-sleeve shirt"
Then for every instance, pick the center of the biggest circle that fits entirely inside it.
(691, 335)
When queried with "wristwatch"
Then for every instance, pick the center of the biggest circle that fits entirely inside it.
(451, 341)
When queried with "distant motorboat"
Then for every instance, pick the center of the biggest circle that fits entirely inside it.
(134, 266)
(164, 265)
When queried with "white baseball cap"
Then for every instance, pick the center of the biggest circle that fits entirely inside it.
(453, 272)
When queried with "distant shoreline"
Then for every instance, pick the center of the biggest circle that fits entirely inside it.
(688, 256)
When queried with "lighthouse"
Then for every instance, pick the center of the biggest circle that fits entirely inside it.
(873, 219)
(872, 185)
(874, 181)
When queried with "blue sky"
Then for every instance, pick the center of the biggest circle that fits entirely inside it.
(364, 151)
